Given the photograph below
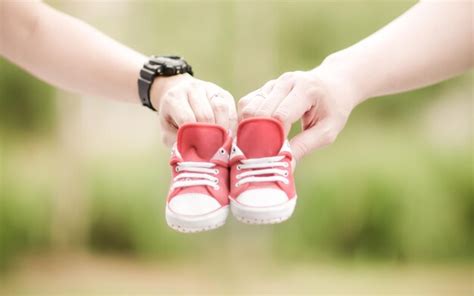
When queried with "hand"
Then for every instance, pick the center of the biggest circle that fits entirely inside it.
(320, 97)
(182, 99)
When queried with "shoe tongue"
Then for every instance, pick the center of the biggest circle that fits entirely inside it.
(199, 141)
(260, 137)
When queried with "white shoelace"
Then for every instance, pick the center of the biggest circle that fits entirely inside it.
(192, 173)
(262, 166)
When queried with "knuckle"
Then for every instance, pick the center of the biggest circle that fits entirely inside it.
(286, 76)
(248, 112)
(281, 114)
(268, 85)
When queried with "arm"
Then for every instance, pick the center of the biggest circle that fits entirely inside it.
(430, 42)
(67, 52)
(72, 55)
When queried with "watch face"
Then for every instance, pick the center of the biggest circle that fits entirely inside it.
(170, 61)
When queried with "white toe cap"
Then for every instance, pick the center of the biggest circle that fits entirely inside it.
(264, 197)
(193, 204)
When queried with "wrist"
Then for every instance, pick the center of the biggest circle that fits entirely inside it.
(340, 70)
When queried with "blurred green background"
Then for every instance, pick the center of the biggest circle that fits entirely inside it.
(388, 208)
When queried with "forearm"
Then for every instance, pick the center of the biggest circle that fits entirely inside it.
(68, 53)
(431, 42)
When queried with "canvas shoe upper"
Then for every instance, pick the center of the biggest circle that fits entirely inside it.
(198, 195)
(261, 173)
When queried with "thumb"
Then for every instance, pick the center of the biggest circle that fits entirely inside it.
(320, 135)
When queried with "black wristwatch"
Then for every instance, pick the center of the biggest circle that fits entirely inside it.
(159, 66)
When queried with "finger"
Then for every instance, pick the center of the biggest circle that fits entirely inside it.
(168, 132)
(293, 165)
(296, 104)
(322, 134)
(221, 111)
(280, 90)
(254, 99)
(268, 86)
(245, 101)
(169, 139)
(200, 104)
(291, 108)
(228, 113)
(176, 108)
(232, 112)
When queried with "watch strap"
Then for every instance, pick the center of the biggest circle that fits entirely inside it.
(147, 75)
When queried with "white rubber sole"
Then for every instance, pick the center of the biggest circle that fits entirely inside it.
(263, 215)
(192, 224)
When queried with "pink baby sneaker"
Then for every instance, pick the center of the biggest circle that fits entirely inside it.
(262, 189)
(198, 197)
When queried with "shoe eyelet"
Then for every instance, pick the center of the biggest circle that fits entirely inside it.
(216, 181)
(237, 184)
(285, 164)
(238, 176)
(239, 167)
(285, 174)
(177, 169)
(233, 150)
(216, 171)
(222, 151)
(216, 187)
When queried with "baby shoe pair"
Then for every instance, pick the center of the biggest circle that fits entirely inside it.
(251, 174)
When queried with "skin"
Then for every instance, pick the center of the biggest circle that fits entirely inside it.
(431, 42)
(80, 59)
